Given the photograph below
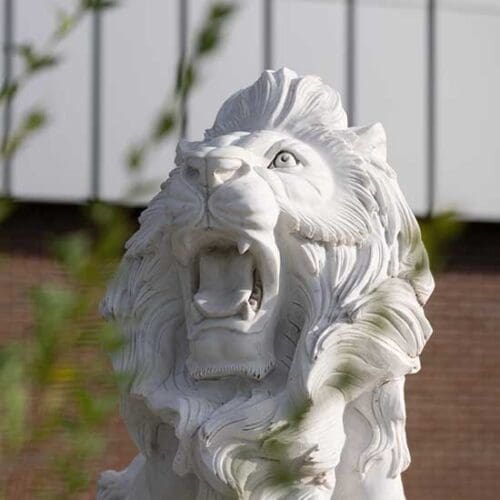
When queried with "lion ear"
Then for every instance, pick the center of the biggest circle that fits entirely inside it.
(372, 140)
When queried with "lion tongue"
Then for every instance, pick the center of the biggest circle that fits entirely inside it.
(226, 282)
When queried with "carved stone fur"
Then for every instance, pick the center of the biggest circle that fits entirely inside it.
(272, 304)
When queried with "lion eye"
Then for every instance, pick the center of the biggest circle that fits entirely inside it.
(284, 159)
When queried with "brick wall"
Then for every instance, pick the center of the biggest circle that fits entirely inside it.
(453, 403)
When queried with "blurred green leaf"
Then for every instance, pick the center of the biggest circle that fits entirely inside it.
(208, 40)
(114, 229)
(8, 91)
(165, 123)
(72, 250)
(34, 120)
(187, 81)
(211, 34)
(103, 214)
(437, 233)
(35, 61)
(135, 157)
(300, 413)
(6, 208)
(53, 307)
(13, 397)
(222, 10)
(110, 337)
(93, 408)
(30, 123)
(53, 303)
(66, 22)
(98, 4)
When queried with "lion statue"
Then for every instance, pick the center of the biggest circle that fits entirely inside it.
(271, 304)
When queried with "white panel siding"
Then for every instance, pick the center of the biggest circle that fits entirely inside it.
(237, 63)
(140, 50)
(468, 147)
(391, 88)
(55, 163)
(309, 37)
(485, 6)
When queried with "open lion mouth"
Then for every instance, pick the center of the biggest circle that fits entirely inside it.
(230, 283)
(226, 276)
(227, 283)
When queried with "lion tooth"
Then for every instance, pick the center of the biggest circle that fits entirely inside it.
(243, 246)
(246, 312)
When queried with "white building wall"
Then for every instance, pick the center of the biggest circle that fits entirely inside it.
(391, 88)
(468, 113)
(309, 37)
(54, 164)
(237, 63)
(140, 46)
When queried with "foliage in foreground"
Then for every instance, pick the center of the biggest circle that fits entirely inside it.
(57, 391)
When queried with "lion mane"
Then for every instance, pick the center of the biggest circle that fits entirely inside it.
(354, 326)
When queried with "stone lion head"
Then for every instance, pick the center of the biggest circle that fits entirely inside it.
(279, 272)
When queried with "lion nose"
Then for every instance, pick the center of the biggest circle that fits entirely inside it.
(220, 170)
(215, 171)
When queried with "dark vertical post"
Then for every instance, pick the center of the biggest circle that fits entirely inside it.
(351, 59)
(7, 79)
(183, 41)
(96, 112)
(431, 106)
(268, 34)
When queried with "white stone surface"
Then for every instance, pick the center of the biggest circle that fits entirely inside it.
(271, 304)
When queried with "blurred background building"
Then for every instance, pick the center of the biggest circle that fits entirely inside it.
(429, 70)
